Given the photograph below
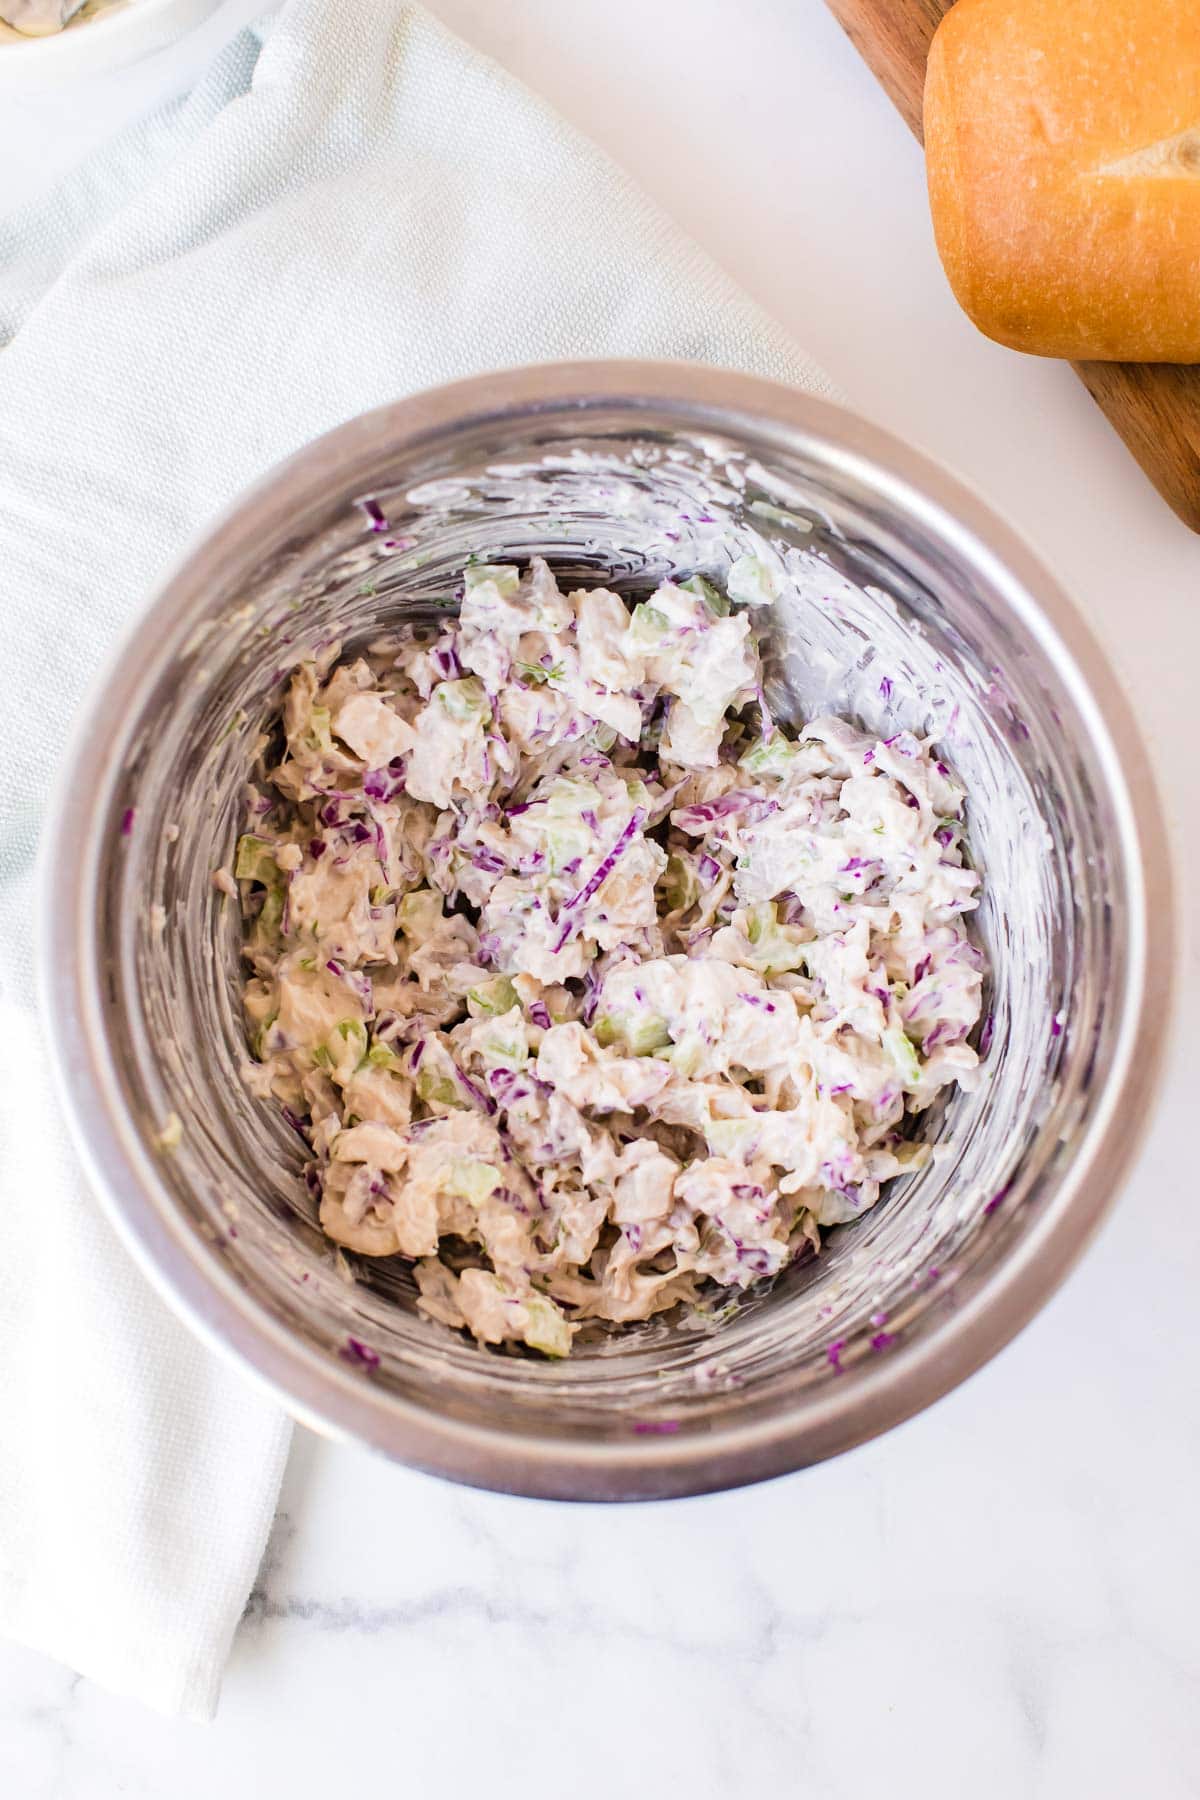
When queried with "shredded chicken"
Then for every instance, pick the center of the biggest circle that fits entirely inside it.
(586, 983)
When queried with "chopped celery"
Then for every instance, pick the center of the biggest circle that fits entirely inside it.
(347, 1047)
(903, 1053)
(437, 1089)
(547, 1330)
(255, 860)
(712, 597)
(773, 947)
(679, 884)
(775, 757)
(419, 913)
(640, 1035)
(648, 625)
(504, 1042)
(319, 735)
(465, 699)
(502, 576)
(730, 1137)
(491, 998)
(471, 1180)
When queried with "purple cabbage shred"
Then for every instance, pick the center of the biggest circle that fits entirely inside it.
(475, 1092)
(488, 862)
(382, 784)
(597, 878)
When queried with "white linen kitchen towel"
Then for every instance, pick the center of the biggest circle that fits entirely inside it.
(350, 207)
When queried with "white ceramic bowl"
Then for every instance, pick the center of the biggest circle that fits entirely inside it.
(112, 39)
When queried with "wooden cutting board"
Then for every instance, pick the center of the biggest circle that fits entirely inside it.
(1155, 407)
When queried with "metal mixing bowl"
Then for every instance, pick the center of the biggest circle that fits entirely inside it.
(894, 575)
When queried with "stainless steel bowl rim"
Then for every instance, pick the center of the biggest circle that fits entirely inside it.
(341, 1402)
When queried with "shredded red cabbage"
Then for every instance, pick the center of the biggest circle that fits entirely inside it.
(476, 1093)
(488, 862)
(383, 784)
(693, 818)
(758, 1000)
(597, 878)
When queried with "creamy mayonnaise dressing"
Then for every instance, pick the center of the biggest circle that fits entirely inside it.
(586, 982)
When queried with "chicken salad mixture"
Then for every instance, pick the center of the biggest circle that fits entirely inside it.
(591, 987)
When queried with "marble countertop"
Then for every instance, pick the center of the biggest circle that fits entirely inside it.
(999, 1598)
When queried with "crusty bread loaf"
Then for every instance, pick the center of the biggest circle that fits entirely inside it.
(1062, 140)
